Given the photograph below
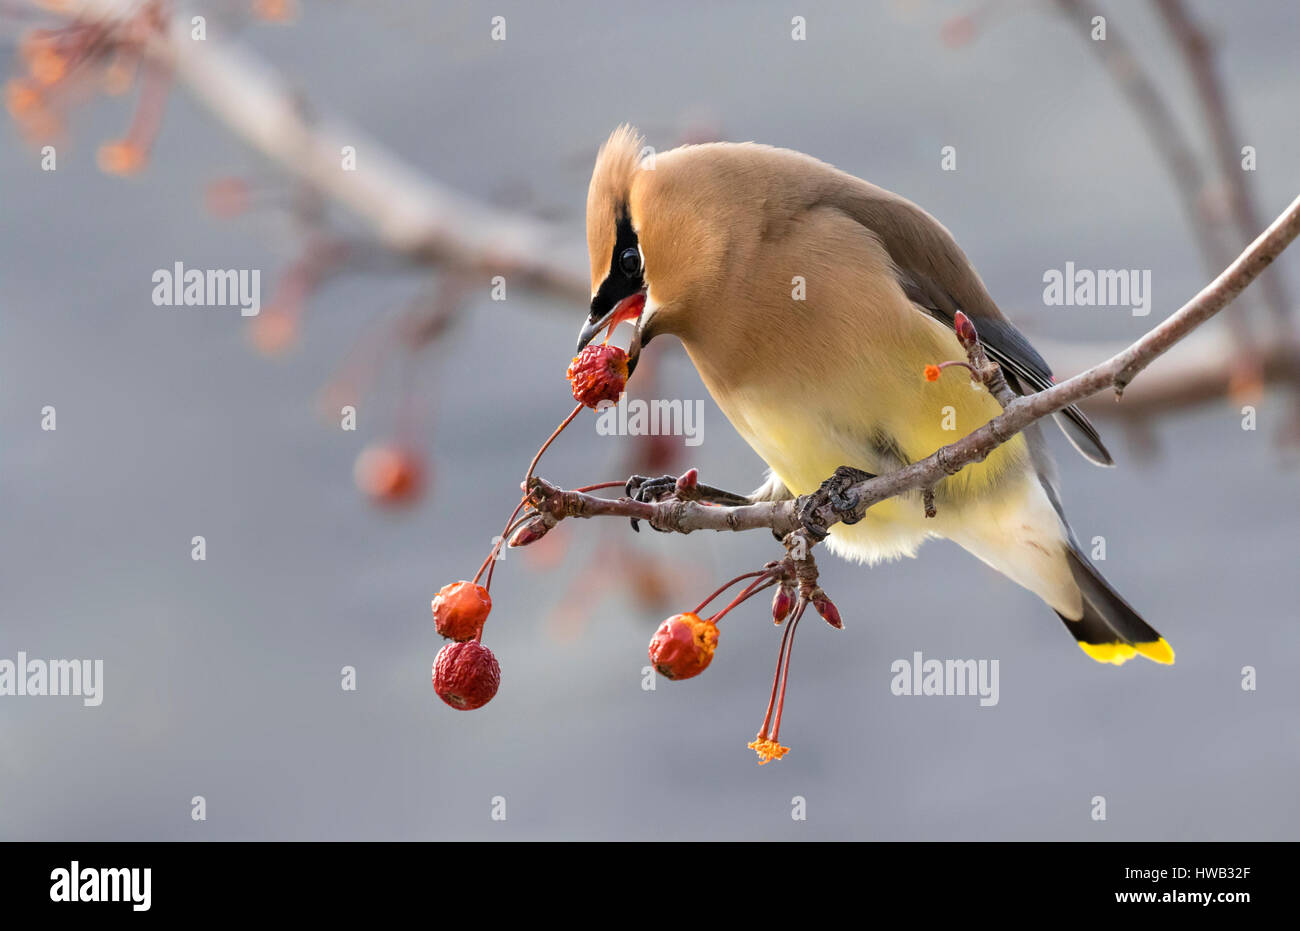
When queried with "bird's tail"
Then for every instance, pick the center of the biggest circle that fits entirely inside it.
(1110, 631)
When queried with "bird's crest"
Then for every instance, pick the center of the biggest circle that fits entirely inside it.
(617, 163)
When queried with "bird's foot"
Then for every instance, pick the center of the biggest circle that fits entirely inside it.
(835, 495)
(684, 487)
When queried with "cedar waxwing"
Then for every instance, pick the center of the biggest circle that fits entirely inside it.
(810, 302)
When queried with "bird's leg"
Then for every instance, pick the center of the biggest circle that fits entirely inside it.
(836, 492)
(685, 487)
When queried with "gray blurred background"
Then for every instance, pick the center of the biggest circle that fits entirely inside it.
(222, 678)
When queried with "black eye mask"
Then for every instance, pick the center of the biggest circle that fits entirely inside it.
(618, 283)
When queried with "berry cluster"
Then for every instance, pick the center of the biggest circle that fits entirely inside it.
(466, 674)
(684, 645)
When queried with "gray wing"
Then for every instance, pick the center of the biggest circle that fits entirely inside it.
(1024, 367)
(937, 277)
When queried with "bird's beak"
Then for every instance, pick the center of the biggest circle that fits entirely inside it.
(629, 308)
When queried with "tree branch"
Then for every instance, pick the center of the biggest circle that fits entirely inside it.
(410, 214)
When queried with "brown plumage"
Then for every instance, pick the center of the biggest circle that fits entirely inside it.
(810, 302)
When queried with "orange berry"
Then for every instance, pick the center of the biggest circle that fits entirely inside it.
(21, 98)
(460, 610)
(1245, 382)
(273, 331)
(47, 66)
(683, 646)
(274, 11)
(120, 158)
(932, 372)
(389, 475)
(598, 373)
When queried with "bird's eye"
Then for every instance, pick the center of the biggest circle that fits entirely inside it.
(630, 262)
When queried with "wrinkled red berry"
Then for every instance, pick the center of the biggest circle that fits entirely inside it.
(466, 675)
(598, 373)
(683, 646)
(460, 610)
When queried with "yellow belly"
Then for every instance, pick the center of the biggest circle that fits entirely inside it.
(804, 444)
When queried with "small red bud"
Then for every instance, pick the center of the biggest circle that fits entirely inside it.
(466, 675)
(688, 480)
(782, 603)
(530, 532)
(965, 328)
(826, 608)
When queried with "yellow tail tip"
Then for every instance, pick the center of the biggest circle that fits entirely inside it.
(1118, 653)
(1158, 652)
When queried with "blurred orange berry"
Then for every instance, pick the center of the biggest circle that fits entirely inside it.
(273, 331)
(957, 31)
(932, 372)
(390, 475)
(1245, 381)
(21, 98)
(47, 66)
(683, 646)
(460, 610)
(121, 158)
(275, 11)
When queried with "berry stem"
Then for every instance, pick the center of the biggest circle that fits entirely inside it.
(505, 536)
(777, 677)
(503, 542)
(951, 362)
(752, 589)
(785, 676)
(550, 439)
(748, 575)
(511, 523)
(598, 487)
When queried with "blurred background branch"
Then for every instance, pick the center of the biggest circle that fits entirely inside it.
(423, 223)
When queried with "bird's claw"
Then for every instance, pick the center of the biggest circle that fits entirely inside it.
(685, 487)
(837, 492)
(648, 490)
